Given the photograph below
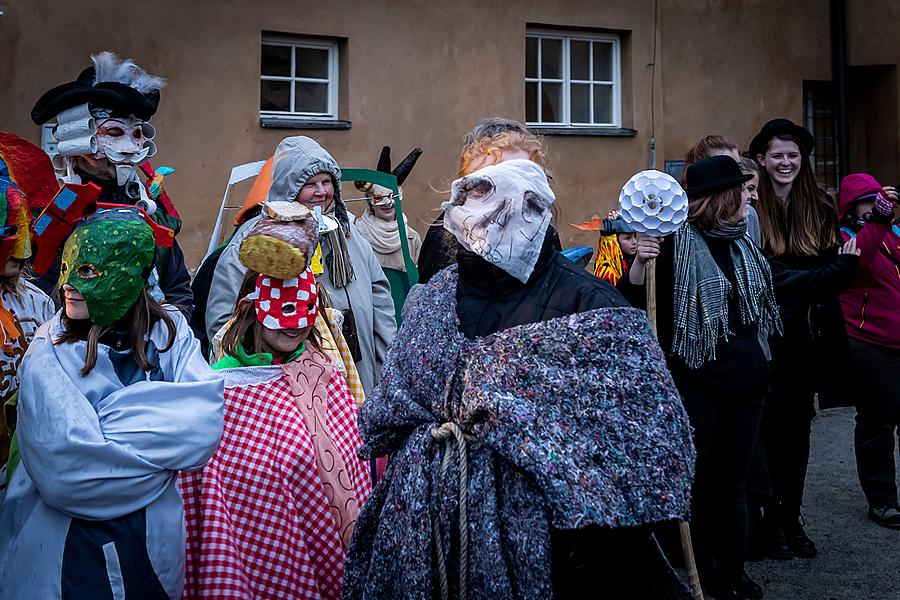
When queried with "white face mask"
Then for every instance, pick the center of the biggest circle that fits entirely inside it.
(502, 213)
(122, 141)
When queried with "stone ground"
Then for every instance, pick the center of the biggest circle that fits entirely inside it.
(857, 559)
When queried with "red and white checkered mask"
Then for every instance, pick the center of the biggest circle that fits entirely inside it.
(286, 303)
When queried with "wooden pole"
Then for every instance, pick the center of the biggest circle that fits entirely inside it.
(684, 528)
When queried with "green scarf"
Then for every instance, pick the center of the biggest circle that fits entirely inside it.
(242, 358)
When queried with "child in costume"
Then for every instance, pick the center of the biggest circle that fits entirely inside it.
(272, 513)
(26, 176)
(115, 400)
(616, 248)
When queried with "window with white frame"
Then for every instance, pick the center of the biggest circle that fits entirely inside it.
(298, 78)
(572, 79)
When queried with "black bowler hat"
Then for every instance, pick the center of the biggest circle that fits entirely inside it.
(713, 174)
(121, 99)
(780, 127)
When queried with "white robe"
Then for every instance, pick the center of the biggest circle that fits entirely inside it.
(95, 450)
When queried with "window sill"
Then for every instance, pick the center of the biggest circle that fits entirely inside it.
(301, 123)
(584, 131)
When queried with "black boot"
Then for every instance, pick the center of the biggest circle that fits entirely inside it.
(799, 542)
(749, 589)
(777, 544)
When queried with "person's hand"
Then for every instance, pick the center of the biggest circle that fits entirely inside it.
(886, 201)
(891, 193)
(647, 248)
(849, 247)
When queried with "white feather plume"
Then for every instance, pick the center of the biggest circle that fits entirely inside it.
(109, 67)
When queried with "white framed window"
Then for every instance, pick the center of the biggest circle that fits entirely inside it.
(572, 79)
(298, 78)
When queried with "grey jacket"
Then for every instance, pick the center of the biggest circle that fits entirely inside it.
(297, 159)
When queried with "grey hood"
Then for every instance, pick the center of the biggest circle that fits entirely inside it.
(297, 159)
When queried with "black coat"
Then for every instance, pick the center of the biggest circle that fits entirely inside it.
(489, 299)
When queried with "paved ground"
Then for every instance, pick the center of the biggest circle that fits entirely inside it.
(857, 559)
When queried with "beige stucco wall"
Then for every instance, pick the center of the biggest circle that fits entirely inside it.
(420, 73)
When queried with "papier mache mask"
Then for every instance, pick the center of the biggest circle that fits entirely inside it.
(502, 213)
(286, 303)
(108, 259)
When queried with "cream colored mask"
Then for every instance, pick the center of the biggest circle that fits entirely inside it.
(502, 213)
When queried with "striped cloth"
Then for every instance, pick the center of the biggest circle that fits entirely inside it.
(260, 521)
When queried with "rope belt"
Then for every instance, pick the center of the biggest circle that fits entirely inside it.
(452, 436)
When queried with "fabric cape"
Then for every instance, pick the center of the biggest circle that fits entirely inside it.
(271, 514)
(93, 503)
(581, 426)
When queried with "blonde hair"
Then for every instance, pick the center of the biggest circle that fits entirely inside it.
(476, 150)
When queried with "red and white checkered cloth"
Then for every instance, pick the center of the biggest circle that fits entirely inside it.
(258, 521)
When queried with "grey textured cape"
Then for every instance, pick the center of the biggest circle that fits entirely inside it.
(576, 422)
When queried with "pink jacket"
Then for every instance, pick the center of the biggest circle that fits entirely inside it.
(872, 303)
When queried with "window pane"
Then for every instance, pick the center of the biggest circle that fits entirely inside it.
(551, 102)
(603, 67)
(531, 57)
(312, 97)
(551, 59)
(275, 95)
(275, 60)
(603, 104)
(580, 100)
(531, 95)
(312, 62)
(579, 60)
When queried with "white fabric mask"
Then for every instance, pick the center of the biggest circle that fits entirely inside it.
(501, 213)
(121, 140)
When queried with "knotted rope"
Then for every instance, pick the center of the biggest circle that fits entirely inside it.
(452, 435)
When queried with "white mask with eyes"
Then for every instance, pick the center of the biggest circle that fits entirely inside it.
(501, 213)
(122, 140)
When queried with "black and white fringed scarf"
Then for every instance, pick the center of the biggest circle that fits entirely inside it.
(702, 292)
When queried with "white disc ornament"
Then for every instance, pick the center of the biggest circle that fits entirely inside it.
(653, 202)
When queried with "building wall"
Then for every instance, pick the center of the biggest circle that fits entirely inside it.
(421, 73)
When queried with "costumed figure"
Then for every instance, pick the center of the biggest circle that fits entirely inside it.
(870, 313)
(103, 137)
(115, 400)
(532, 425)
(26, 179)
(616, 247)
(378, 224)
(272, 513)
(344, 263)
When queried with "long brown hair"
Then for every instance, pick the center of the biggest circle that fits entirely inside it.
(246, 328)
(138, 323)
(804, 223)
(715, 209)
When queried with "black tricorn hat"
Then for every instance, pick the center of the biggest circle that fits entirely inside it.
(777, 127)
(713, 174)
(121, 99)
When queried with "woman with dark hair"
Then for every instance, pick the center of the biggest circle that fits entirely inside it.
(715, 296)
(799, 235)
(115, 400)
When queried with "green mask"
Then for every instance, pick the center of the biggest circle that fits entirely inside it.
(107, 259)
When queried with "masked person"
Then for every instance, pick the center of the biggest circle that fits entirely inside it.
(521, 404)
(378, 224)
(115, 400)
(103, 134)
(26, 177)
(287, 463)
(351, 277)
(870, 314)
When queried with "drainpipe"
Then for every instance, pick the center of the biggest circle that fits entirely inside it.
(839, 76)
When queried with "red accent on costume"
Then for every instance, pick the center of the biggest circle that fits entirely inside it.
(262, 517)
(148, 170)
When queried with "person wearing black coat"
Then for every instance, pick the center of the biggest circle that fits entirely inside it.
(715, 294)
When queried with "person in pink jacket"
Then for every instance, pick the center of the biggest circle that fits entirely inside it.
(870, 308)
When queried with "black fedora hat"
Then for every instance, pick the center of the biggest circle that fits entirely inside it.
(713, 174)
(777, 127)
(120, 98)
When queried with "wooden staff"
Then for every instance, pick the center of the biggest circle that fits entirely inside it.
(684, 528)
